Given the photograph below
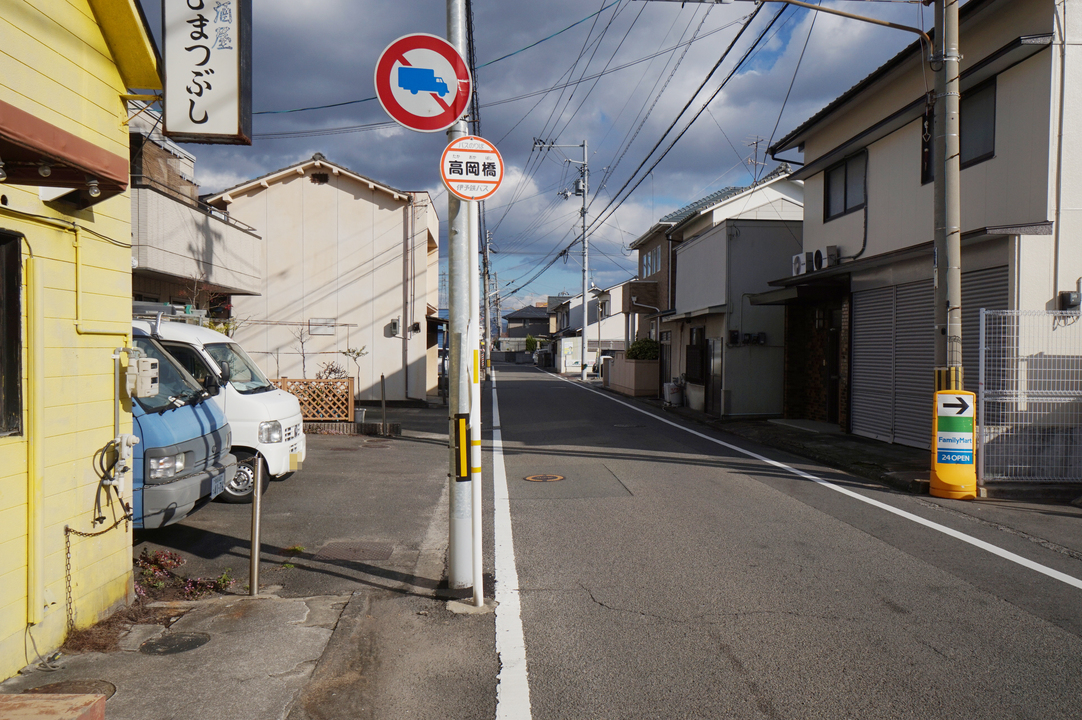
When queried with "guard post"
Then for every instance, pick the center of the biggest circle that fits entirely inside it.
(954, 469)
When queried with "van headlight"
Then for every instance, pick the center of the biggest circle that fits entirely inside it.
(270, 432)
(166, 467)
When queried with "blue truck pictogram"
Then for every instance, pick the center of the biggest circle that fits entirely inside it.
(421, 80)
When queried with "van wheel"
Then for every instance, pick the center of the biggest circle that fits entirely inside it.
(239, 489)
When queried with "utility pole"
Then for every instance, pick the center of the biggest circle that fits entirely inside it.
(947, 259)
(585, 260)
(460, 521)
(581, 188)
(488, 311)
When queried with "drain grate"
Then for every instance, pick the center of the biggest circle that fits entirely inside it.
(543, 478)
(355, 551)
(75, 687)
(173, 643)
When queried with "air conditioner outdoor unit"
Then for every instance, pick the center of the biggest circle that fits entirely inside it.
(825, 257)
(803, 263)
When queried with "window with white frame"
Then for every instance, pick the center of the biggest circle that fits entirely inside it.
(651, 262)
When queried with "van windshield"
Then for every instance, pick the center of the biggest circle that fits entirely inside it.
(175, 386)
(244, 375)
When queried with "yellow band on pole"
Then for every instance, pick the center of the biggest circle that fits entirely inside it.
(463, 448)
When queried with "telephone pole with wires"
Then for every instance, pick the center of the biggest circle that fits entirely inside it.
(581, 188)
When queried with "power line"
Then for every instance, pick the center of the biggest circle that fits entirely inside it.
(599, 219)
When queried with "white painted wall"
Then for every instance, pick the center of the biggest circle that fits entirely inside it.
(346, 251)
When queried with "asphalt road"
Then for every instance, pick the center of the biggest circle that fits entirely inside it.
(669, 576)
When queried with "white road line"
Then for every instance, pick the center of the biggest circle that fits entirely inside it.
(995, 550)
(512, 684)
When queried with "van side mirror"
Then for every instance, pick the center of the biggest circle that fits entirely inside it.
(227, 371)
(211, 385)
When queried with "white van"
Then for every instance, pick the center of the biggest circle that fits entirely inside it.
(266, 421)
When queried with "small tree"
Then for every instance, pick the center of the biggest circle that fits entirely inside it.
(531, 343)
(302, 335)
(355, 354)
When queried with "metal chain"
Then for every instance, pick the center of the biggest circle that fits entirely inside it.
(68, 532)
(67, 576)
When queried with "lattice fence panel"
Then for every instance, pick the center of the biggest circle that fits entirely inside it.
(322, 400)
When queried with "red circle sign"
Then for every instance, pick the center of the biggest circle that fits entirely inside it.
(423, 83)
(472, 168)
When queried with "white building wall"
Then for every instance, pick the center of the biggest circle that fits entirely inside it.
(340, 251)
(701, 278)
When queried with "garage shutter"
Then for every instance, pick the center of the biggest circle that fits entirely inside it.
(914, 360)
(981, 289)
(872, 376)
(893, 355)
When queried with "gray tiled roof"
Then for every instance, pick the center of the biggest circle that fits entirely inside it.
(714, 198)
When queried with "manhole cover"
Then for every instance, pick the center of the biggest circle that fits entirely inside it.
(355, 551)
(543, 478)
(75, 687)
(173, 643)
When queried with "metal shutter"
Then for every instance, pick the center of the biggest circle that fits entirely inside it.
(980, 289)
(872, 376)
(914, 362)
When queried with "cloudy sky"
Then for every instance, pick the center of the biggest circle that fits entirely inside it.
(618, 80)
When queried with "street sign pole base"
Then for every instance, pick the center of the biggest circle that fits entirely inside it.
(938, 488)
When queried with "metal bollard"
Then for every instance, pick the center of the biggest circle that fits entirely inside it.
(383, 400)
(257, 494)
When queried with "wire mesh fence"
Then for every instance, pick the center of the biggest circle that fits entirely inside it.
(1030, 396)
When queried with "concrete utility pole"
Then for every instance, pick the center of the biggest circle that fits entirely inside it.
(488, 311)
(948, 214)
(582, 188)
(585, 260)
(460, 531)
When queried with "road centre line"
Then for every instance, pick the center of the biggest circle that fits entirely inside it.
(988, 547)
(512, 682)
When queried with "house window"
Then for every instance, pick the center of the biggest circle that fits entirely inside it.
(10, 334)
(977, 124)
(844, 190)
(651, 262)
(976, 132)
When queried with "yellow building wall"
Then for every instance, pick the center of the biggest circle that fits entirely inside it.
(56, 64)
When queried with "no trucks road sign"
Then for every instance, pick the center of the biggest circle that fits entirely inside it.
(471, 168)
(423, 83)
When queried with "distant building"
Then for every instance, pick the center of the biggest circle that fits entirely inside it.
(530, 320)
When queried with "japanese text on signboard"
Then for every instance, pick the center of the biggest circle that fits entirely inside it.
(202, 66)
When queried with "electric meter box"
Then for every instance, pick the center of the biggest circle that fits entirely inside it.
(143, 378)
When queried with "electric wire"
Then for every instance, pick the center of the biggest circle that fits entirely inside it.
(724, 56)
(792, 82)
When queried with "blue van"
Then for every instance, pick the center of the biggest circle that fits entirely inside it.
(183, 457)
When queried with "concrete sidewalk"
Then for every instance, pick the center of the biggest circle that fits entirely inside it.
(352, 620)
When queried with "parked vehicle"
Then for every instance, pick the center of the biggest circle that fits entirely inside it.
(182, 459)
(266, 422)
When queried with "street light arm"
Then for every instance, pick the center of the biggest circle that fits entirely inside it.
(875, 21)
